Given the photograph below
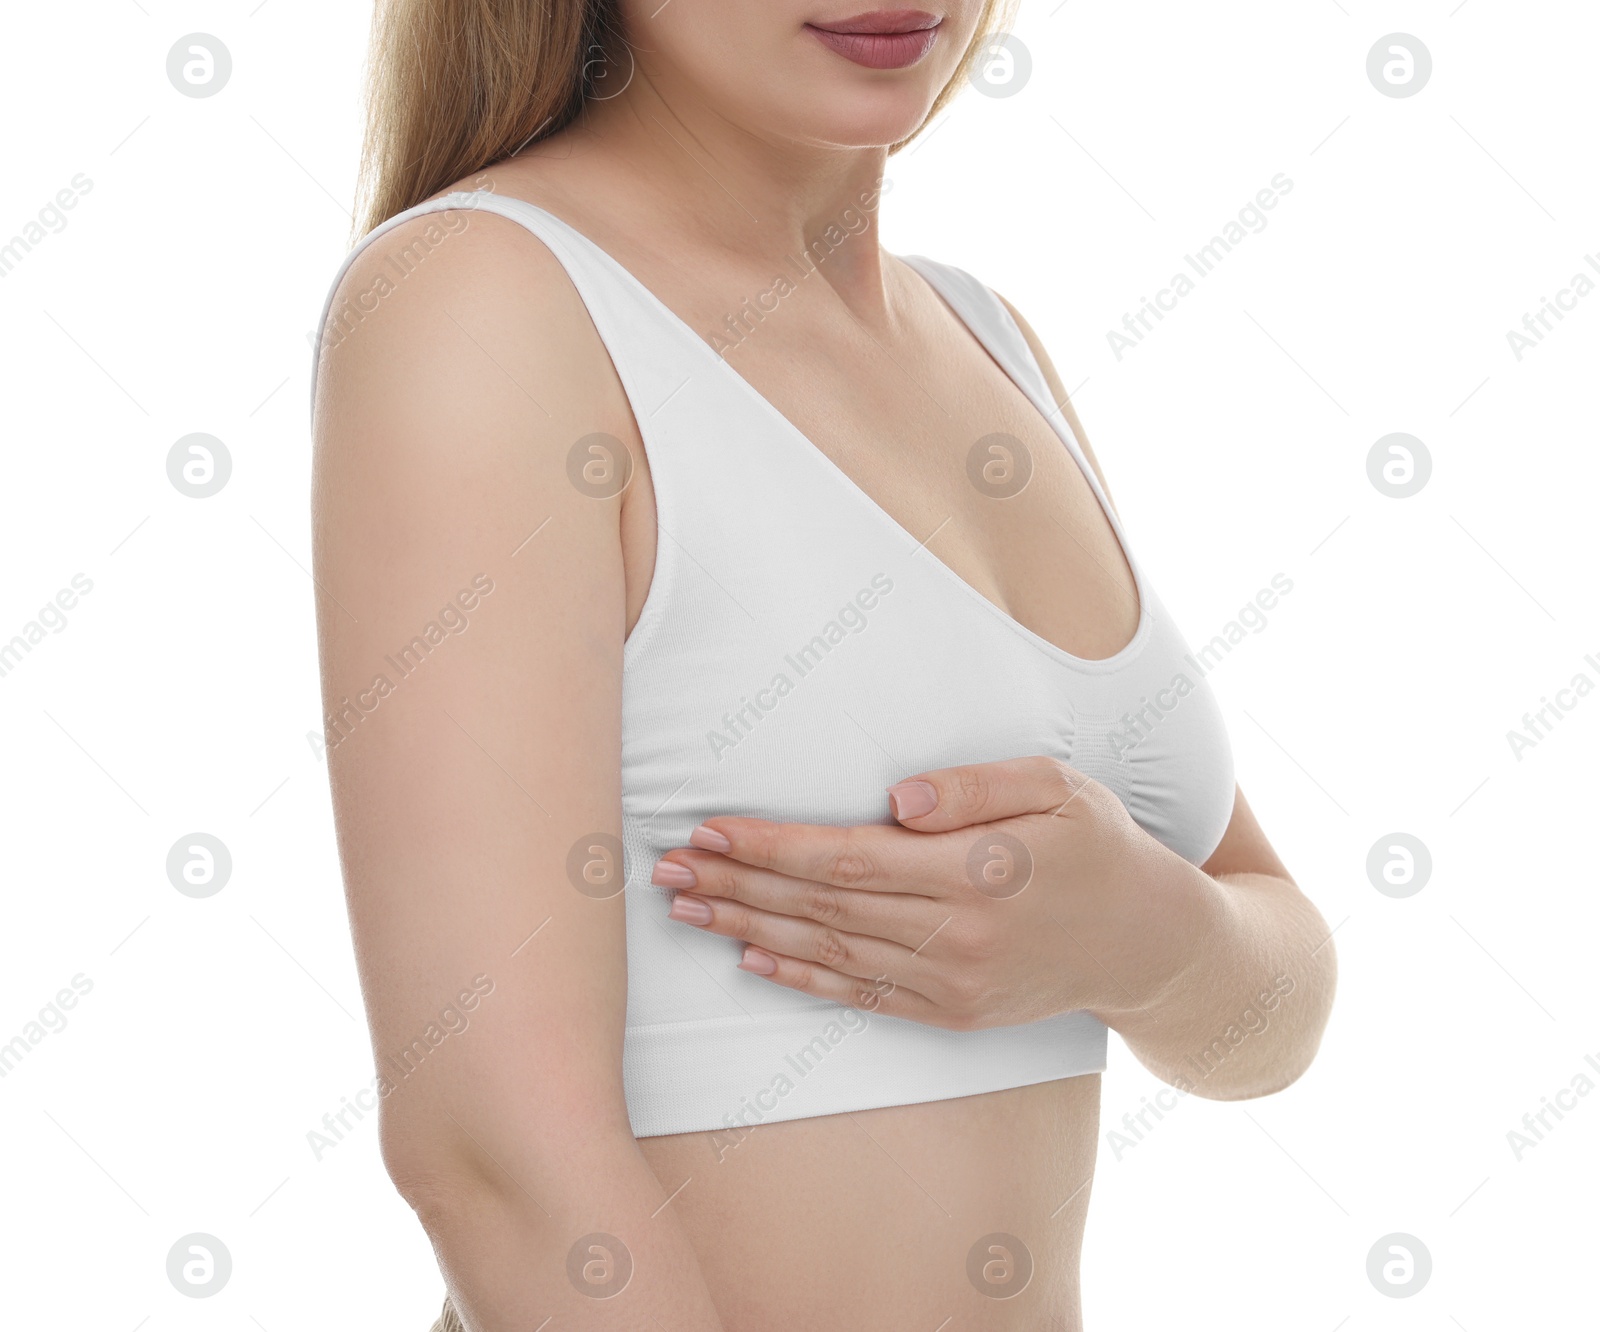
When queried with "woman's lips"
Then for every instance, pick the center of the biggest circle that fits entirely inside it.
(884, 39)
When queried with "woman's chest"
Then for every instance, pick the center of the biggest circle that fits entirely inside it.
(923, 422)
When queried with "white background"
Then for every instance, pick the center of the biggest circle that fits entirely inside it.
(179, 695)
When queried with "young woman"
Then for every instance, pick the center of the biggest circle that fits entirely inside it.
(663, 521)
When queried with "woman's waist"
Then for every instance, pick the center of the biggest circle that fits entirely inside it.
(901, 1216)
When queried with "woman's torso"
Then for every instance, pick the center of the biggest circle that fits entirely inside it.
(892, 1216)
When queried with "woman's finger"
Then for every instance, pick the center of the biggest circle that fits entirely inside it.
(950, 798)
(870, 995)
(901, 918)
(870, 857)
(857, 955)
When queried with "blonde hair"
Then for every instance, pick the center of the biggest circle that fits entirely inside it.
(454, 86)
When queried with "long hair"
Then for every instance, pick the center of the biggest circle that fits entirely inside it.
(454, 86)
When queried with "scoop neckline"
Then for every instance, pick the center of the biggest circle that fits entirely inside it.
(1091, 665)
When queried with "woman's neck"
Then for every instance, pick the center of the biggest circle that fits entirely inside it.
(755, 199)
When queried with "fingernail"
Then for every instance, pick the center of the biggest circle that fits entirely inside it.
(709, 839)
(911, 800)
(763, 964)
(670, 874)
(690, 910)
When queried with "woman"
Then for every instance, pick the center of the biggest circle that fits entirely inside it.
(662, 522)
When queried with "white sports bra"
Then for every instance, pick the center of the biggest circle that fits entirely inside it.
(798, 652)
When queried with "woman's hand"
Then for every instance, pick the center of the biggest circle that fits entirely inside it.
(1014, 891)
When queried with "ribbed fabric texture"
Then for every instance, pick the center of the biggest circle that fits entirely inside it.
(798, 652)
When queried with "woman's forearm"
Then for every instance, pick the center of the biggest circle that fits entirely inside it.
(1245, 1014)
(597, 1248)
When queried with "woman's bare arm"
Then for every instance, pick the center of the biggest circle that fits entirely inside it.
(471, 618)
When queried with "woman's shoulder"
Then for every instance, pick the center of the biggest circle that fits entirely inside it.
(459, 274)
(447, 246)
(457, 368)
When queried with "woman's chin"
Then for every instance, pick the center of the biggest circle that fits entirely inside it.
(880, 126)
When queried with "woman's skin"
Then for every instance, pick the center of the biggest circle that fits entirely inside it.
(445, 413)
